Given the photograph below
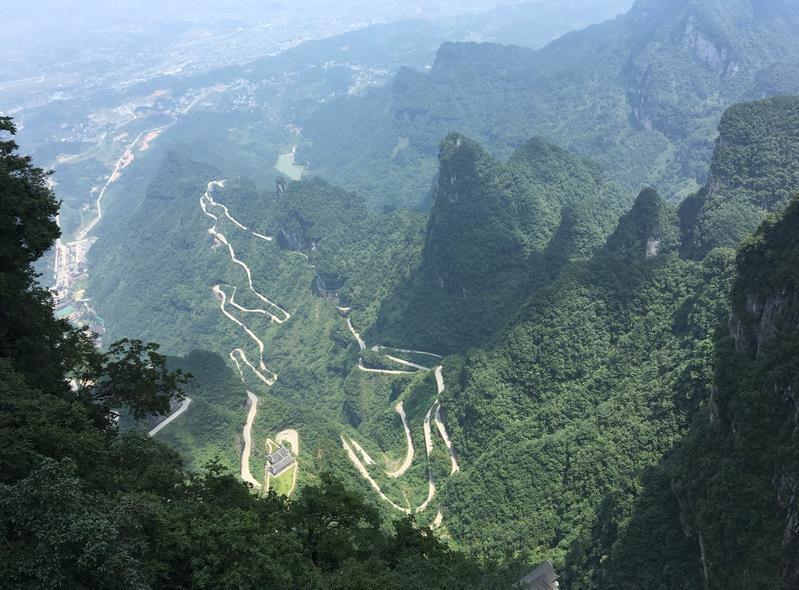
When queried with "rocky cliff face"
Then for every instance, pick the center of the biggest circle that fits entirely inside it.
(753, 426)
(647, 230)
(709, 52)
(755, 170)
(763, 318)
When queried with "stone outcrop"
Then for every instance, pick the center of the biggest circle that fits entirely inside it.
(762, 319)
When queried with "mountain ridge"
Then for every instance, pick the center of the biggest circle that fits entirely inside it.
(659, 86)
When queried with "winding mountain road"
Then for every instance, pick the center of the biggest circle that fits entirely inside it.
(207, 200)
(400, 409)
(382, 371)
(220, 237)
(433, 413)
(428, 445)
(210, 207)
(262, 366)
(442, 430)
(245, 474)
(164, 423)
(366, 458)
(361, 342)
(437, 520)
(407, 363)
(365, 474)
(124, 160)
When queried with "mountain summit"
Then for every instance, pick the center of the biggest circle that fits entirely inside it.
(659, 79)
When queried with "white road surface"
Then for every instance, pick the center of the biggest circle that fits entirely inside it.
(442, 430)
(433, 411)
(161, 425)
(246, 475)
(400, 409)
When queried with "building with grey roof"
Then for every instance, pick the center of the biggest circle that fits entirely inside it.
(279, 461)
(541, 578)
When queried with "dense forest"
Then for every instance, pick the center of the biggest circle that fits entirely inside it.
(532, 305)
(719, 511)
(607, 369)
(495, 233)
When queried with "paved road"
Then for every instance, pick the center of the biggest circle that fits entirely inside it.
(400, 409)
(246, 475)
(163, 424)
(433, 411)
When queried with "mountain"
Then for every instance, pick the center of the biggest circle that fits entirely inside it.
(564, 417)
(581, 340)
(721, 511)
(754, 172)
(745, 442)
(659, 79)
(495, 233)
(592, 384)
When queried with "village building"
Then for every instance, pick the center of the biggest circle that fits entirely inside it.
(541, 578)
(279, 461)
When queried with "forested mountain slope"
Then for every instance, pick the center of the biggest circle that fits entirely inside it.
(659, 79)
(721, 511)
(597, 335)
(202, 273)
(496, 232)
(601, 375)
(754, 172)
(595, 383)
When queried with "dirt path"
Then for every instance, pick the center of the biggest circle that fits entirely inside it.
(245, 474)
(400, 409)
(163, 424)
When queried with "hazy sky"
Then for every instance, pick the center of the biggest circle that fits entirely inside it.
(76, 13)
